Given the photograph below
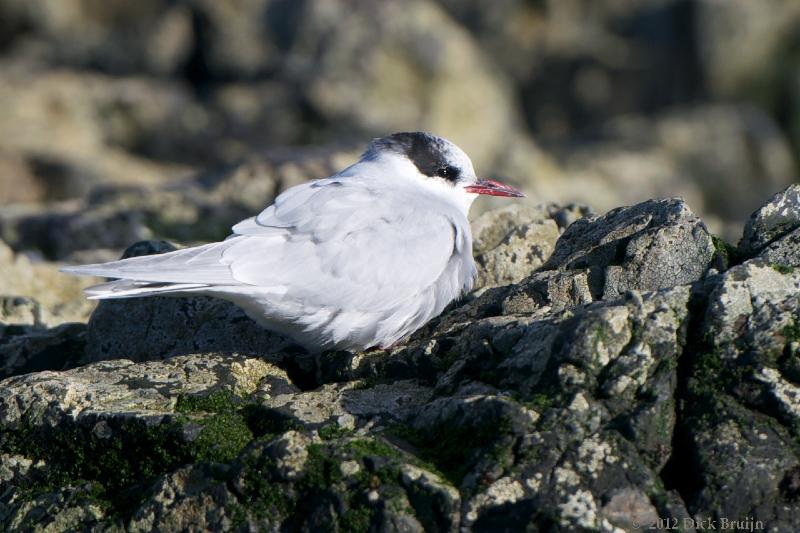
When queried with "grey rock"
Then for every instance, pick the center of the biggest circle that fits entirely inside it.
(151, 328)
(548, 390)
(778, 217)
(188, 497)
(348, 405)
(667, 395)
(784, 251)
(552, 289)
(97, 408)
(742, 407)
(26, 349)
(649, 246)
(66, 509)
(157, 328)
(123, 389)
(511, 242)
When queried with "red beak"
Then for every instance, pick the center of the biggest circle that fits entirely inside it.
(493, 188)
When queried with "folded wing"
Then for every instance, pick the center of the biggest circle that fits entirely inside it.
(340, 242)
(334, 243)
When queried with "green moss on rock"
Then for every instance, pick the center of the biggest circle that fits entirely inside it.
(726, 255)
(267, 496)
(453, 448)
(783, 269)
(121, 458)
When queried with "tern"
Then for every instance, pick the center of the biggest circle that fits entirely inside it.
(357, 260)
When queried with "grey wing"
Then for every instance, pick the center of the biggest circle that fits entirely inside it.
(334, 244)
(197, 265)
(343, 244)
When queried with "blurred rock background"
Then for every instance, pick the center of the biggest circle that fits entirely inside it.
(121, 121)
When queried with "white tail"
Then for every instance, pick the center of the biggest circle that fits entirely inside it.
(125, 288)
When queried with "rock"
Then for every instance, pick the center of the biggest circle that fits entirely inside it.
(153, 35)
(579, 63)
(174, 325)
(33, 349)
(36, 293)
(734, 70)
(20, 310)
(784, 251)
(125, 391)
(739, 421)
(107, 403)
(201, 208)
(245, 41)
(511, 242)
(630, 378)
(338, 404)
(18, 180)
(649, 246)
(75, 129)
(778, 217)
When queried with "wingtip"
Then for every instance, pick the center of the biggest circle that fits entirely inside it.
(78, 270)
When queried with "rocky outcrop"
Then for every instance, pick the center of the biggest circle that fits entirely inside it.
(608, 371)
(613, 371)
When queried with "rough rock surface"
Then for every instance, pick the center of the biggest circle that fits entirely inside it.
(642, 370)
(772, 221)
(511, 242)
(57, 297)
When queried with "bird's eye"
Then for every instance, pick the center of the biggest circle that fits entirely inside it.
(448, 173)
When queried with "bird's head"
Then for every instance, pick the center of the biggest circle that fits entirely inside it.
(434, 163)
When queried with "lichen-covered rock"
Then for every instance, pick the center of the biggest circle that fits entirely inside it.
(778, 217)
(627, 380)
(784, 251)
(649, 246)
(739, 422)
(511, 242)
(116, 434)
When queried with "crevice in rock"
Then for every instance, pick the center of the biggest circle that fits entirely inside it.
(680, 471)
(302, 378)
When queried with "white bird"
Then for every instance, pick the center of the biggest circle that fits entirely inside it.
(360, 259)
